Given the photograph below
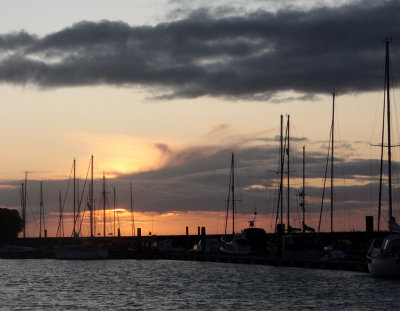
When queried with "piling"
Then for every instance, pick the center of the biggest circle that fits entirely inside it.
(369, 224)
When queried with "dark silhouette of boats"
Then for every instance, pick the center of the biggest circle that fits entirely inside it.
(249, 241)
(384, 254)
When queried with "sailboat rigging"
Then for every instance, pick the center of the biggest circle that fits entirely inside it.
(23, 204)
(231, 196)
(60, 229)
(384, 255)
(42, 223)
(250, 240)
(331, 158)
(302, 195)
(104, 205)
(132, 214)
(282, 152)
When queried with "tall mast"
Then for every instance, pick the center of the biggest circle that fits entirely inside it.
(114, 208)
(288, 173)
(281, 171)
(91, 197)
(332, 158)
(381, 166)
(132, 215)
(233, 192)
(74, 230)
(23, 204)
(104, 205)
(389, 146)
(61, 225)
(228, 200)
(21, 195)
(303, 193)
(25, 194)
(41, 211)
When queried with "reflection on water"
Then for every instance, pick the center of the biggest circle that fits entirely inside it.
(174, 285)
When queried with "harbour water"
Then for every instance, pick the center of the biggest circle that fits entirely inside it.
(185, 285)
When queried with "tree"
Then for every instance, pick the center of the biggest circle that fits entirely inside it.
(10, 223)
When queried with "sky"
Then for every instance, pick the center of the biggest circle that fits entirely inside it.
(162, 92)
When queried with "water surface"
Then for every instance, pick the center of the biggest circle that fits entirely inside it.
(185, 285)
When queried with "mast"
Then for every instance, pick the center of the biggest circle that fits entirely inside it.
(114, 208)
(74, 230)
(61, 225)
(281, 172)
(41, 212)
(23, 204)
(104, 205)
(303, 193)
(288, 174)
(132, 215)
(381, 166)
(21, 196)
(228, 201)
(233, 192)
(116, 213)
(332, 158)
(25, 192)
(91, 197)
(389, 146)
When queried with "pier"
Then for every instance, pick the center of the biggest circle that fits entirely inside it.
(181, 247)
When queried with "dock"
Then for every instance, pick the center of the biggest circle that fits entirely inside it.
(181, 248)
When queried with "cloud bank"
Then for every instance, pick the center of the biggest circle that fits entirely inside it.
(250, 56)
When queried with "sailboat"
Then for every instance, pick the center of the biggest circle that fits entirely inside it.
(82, 248)
(301, 245)
(249, 241)
(384, 255)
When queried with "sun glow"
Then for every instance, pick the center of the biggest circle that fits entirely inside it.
(175, 222)
(119, 154)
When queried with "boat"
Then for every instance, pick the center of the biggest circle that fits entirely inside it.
(305, 246)
(384, 254)
(17, 252)
(249, 241)
(207, 245)
(301, 244)
(80, 252)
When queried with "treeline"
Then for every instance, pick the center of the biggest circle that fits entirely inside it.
(10, 223)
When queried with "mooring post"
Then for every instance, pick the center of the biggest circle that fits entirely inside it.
(369, 228)
(139, 235)
(369, 224)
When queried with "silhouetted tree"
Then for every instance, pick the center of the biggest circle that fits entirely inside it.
(10, 223)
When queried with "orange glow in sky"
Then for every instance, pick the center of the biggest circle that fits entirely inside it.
(174, 223)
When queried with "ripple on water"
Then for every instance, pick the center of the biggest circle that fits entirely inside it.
(181, 285)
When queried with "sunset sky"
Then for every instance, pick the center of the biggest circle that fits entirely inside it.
(161, 93)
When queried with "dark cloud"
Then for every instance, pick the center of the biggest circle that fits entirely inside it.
(251, 56)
